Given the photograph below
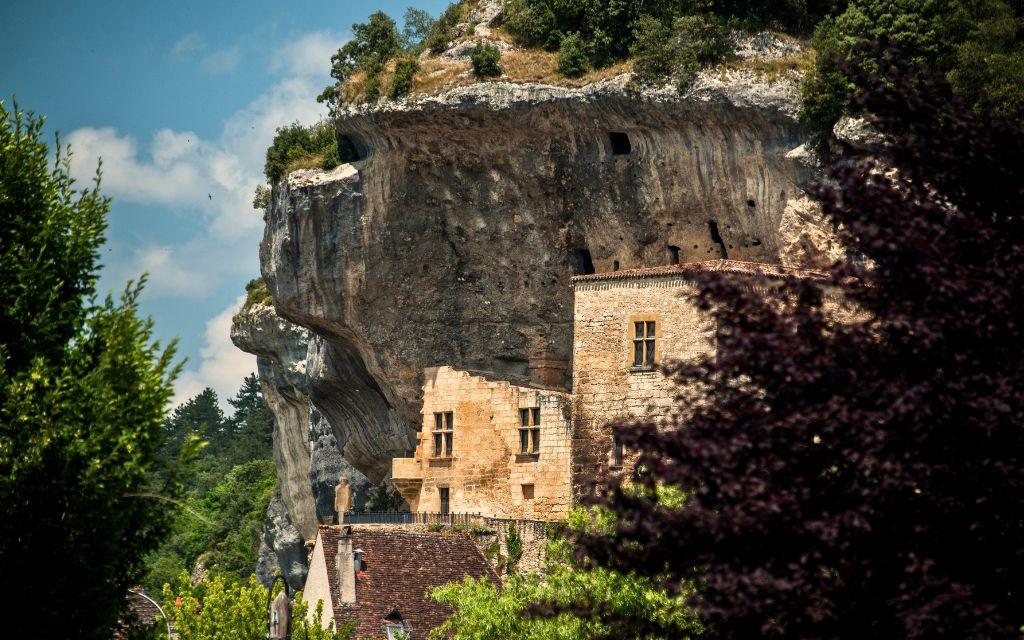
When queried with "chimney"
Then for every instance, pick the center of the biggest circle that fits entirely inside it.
(345, 562)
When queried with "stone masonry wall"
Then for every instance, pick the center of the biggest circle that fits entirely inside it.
(486, 473)
(607, 389)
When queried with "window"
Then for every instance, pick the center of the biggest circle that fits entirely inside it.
(442, 493)
(644, 332)
(444, 429)
(617, 452)
(527, 492)
(529, 430)
(673, 254)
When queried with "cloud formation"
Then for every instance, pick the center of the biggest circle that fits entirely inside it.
(214, 179)
(223, 366)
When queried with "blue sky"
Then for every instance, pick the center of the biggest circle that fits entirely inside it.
(180, 100)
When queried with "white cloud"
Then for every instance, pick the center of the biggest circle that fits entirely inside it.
(223, 365)
(221, 61)
(309, 55)
(189, 45)
(215, 179)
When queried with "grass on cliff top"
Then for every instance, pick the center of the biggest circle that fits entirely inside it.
(256, 292)
(519, 66)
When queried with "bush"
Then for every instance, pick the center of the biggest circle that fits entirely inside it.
(256, 292)
(572, 56)
(444, 29)
(678, 53)
(405, 69)
(973, 44)
(485, 57)
(296, 146)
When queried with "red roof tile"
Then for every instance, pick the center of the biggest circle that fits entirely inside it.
(722, 266)
(401, 567)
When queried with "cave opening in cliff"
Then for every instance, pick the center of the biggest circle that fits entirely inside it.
(716, 237)
(583, 264)
(673, 253)
(620, 143)
(349, 150)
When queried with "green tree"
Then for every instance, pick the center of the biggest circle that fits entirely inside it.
(405, 69)
(373, 44)
(417, 26)
(484, 611)
(217, 608)
(572, 56)
(83, 393)
(976, 45)
(485, 59)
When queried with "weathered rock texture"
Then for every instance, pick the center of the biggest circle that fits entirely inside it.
(309, 463)
(452, 242)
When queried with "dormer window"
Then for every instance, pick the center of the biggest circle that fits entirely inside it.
(444, 430)
(396, 627)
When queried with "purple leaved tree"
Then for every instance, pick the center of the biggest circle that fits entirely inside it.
(860, 479)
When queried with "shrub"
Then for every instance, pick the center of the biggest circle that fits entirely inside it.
(662, 53)
(485, 57)
(256, 292)
(514, 548)
(405, 69)
(296, 145)
(261, 197)
(572, 56)
(974, 44)
(444, 29)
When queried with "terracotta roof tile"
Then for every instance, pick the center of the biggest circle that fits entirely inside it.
(401, 567)
(722, 266)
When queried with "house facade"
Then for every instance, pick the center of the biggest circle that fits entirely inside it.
(513, 449)
(378, 578)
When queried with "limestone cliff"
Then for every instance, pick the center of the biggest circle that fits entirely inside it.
(452, 240)
(305, 454)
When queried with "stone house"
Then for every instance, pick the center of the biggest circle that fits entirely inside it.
(516, 449)
(379, 577)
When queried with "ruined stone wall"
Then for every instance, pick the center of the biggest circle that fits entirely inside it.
(607, 389)
(487, 473)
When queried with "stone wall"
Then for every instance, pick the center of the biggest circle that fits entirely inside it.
(607, 388)
(486, 472)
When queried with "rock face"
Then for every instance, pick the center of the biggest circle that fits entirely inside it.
(453, 240)
(308, 461)
(282, 547)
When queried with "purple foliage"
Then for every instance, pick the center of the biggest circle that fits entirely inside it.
(862, 479)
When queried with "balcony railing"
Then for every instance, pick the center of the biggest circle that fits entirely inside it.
(400, 517)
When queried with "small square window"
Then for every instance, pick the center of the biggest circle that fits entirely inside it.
(527, 492)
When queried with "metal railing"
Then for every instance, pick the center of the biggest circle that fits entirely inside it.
(405, 517)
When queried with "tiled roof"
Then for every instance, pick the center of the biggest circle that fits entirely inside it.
(400, 568)
(721, 266)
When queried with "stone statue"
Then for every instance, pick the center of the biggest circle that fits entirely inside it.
(342, 497)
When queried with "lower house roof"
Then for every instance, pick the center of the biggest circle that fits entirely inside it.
(401, 567)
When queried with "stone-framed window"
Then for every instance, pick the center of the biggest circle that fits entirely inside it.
(618, 452)
(645, 334)
(444, 431)
(527, 491)
(529, 430)
(444, 498)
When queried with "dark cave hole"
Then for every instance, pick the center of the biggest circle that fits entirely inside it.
(673, 254)
(620, 143)
(716, 237)
(615, 265)
(751, 204)
(583, 264)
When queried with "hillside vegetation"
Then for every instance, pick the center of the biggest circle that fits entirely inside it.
(975, 45)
